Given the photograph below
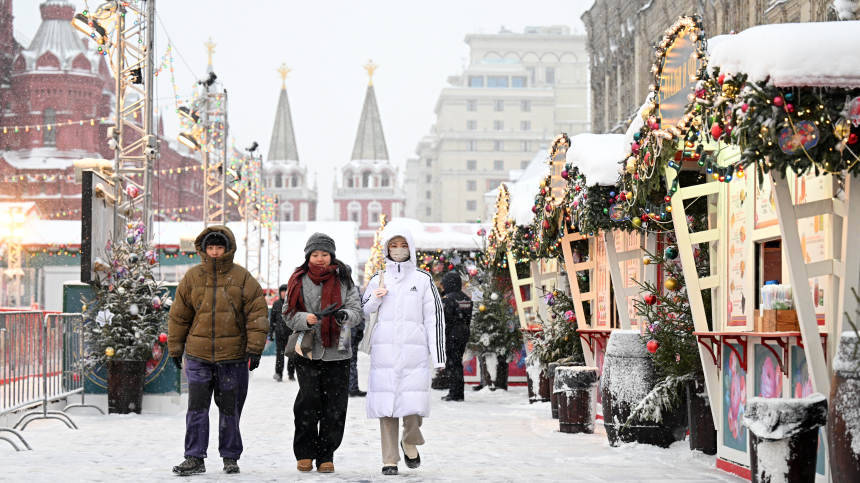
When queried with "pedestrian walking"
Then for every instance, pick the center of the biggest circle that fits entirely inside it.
(357, 336)
(457, 307)
(322, 284)
(280, 334)
(410, 329)
(218, 320)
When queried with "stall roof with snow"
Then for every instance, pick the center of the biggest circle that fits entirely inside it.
(523, 191)
(441, 236)
(793, 54)
(597, 157)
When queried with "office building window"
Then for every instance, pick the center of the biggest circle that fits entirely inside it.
(429, 178)
(427, 211)
(471, 125)
(498, 105)
(499, 165)
(525, 106)
(471, 205)
(550, 75)
(427, 195)
(428, 162)
(49, 136)
(471, 165)
(471, 145)
(531, 71)
(497, 81)
(472, 105)
(518, 81)
(527, 146)
(524, 164)
(471, 185)
(498, 125)
(525, 125)
(493, 184)
(476, 81)
(498, 145)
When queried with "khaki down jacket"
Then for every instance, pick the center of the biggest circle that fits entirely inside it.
(219, 313)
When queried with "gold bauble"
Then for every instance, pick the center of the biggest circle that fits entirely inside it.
(482, 308)
(646, 260)
(842, 129)
(671, 284)
(110, 352)
(729, 90)
(631, 165)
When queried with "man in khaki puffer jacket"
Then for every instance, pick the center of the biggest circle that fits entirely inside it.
(219, 320)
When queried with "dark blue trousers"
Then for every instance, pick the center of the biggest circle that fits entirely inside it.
(230, 384)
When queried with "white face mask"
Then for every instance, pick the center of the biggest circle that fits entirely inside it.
(399, 254)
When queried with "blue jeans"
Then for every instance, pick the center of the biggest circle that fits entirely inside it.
(230, 384)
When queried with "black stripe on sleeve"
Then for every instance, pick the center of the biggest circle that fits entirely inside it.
(440, 325)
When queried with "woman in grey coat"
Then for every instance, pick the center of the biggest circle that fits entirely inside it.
(321, 297)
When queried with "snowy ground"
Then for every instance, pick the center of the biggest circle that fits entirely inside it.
(492, 436)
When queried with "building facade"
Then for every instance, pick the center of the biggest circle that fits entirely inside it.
(368, 185)
(283, 177)
(56, 99)
(517, 93)
(621, 35)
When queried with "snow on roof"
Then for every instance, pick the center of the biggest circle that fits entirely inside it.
(45, 158)
(293, 236)
(523, 191)
(792, 54)
(440, 236)
(597, 157)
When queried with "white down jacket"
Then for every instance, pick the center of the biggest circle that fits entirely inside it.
(410, 327)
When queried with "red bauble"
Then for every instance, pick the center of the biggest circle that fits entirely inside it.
(716, 131)
(721, 78)
(162, 337)
(564, 174)
(852, 138)
(548, 208)
(650, 299)
(450, 267)
(745, 107)
(546, 224)
(543, 191)
(577, 188)
(652, 346)
(534, 209)
(622, 196)
(645, 217)
(777, 101)
(789, 108)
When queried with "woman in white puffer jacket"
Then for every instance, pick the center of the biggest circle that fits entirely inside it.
(410, 331)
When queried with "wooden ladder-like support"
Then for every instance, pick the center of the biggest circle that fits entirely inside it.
(623, 287)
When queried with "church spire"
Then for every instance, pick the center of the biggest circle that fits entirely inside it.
(283, 144)
(370, 141)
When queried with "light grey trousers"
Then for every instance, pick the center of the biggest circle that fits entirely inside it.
(388, 428)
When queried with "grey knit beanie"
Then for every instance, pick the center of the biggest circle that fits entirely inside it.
(319, 241)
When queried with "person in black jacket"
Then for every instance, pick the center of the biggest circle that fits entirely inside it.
(458, 316)
(280, 333)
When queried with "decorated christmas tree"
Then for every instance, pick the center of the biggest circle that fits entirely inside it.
(495, 332)
(127, 319)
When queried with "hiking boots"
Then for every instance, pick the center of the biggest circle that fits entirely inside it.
(231, 466)
(191, 466)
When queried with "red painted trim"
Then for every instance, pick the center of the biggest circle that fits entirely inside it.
(734, 468)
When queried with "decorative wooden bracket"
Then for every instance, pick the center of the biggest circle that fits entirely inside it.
(742, 341)
(711, 340)
(783, 343)
(823, 343)
(595, 338)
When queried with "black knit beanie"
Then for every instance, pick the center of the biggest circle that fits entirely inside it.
(216, 239)
(319, 241)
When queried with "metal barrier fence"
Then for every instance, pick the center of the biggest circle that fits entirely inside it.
(39, 364)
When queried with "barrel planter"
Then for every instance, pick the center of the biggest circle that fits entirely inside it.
(125, 386)
(553, 398)
(628, 376)
(784, 437)
(844, 416)
(538, 385)
(703, 434)
(575, 388)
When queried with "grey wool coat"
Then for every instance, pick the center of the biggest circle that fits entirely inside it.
(312, 294)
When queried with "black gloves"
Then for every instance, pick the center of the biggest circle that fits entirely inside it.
(177, 361)
(359, 335)
(254, 361)
(340, 316)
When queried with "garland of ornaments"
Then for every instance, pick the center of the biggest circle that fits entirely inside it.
(803, 128)
(655, 146)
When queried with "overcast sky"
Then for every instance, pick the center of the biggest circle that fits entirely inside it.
(326, 43)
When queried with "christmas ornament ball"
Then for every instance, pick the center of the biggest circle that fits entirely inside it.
(671, 284)
(652, 346)
(637, 222)
(110, 352)
(494, 296)
(162, 337)
(133, 309)
(133, 258)
(671, 253)
(120, 290)
(650, 299)
(646, 260)
(482, 308)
